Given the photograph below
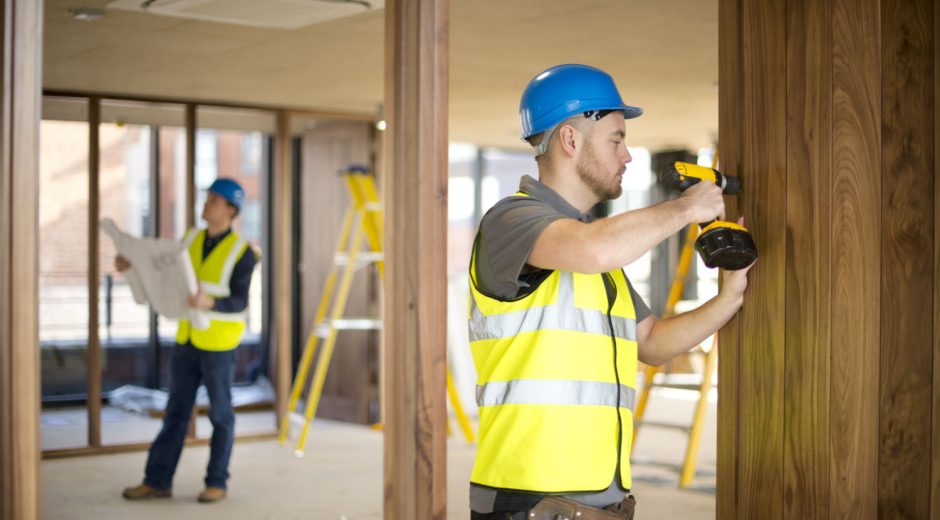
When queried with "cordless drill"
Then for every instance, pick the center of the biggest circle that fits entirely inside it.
(722, 244)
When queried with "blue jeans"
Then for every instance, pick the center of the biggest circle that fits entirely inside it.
(189, 366)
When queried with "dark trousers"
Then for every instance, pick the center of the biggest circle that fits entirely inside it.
(189, 367)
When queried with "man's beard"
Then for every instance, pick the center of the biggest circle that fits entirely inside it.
(591, 173)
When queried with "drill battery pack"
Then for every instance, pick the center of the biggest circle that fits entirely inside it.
(726, 245)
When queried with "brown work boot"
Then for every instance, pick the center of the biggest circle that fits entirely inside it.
(145, 492)
(211, 494)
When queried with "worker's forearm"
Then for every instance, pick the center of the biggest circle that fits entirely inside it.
(677, 334)
(619, 240)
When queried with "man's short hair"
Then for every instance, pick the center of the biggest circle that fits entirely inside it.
(584, 125)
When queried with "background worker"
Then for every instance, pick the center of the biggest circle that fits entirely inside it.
(555, 325)
(223, 263)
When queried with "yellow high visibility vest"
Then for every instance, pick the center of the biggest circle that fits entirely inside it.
(556, 384)
(214, 275)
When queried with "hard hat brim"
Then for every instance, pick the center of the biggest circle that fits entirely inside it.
(630, 112)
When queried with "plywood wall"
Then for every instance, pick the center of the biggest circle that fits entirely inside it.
(328, 150)
(829, 373)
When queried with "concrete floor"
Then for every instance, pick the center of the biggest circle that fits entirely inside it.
(341, 477)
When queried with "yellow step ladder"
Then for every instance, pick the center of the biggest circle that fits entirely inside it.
(364, 219)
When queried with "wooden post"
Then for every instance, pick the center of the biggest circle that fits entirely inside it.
(416, 62)
(21, 32)
(282, 267)
(190, 120)
(94, 256)
(190, 165)
(829, 376)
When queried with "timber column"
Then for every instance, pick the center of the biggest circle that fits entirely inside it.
(829, 402)
(415, 305)
(20, 66)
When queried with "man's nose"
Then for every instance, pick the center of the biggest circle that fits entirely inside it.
(627, 158)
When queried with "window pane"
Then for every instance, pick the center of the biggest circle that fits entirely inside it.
(131, 196)
(233, 143)
(63, 273)
(636, 194)
(172, 209)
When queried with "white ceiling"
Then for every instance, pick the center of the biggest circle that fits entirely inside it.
(663, 55)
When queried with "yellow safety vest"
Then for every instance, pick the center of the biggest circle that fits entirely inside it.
(214, 275)
(556, 397)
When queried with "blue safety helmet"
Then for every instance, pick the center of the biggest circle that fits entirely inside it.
(229, 190)
(567, 90)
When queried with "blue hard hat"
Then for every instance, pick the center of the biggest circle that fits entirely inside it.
(567, 90)
(229, 190)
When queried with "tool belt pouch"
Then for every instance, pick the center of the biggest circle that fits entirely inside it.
(558, 508)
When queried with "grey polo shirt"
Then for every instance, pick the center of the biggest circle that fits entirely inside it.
(505, 239)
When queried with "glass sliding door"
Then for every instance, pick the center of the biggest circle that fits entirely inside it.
(63, 272)
(131, 193)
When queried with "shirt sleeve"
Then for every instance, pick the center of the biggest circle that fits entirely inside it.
(506, 237)
(640, 308)
(237, 300)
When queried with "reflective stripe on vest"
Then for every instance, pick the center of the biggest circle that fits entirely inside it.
(555, 392)
(555, 409)
(562, 316)
(214, 274)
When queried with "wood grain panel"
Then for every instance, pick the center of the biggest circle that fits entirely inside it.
(416, 34)
(21, 34)
(856, 264)
(806, 401)
(730, 84)
(763, 174)
(935, 451)
(907, 278)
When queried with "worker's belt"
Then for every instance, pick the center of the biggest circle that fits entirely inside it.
(558, 508)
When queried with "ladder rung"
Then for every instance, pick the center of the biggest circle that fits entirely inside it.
(363, 258)
(678, 386)
(296, 418)
(349, 324)
(665, 425)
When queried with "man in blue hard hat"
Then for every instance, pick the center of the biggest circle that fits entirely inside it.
(556, 328)
(223, 262)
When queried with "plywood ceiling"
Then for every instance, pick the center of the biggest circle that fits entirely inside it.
(663, 55)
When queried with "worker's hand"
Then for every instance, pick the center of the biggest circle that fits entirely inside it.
(734, 283)
(201, 300)
(703, 203)
(121, 264)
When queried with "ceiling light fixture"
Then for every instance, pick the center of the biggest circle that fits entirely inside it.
(87, 14)
(380, 123)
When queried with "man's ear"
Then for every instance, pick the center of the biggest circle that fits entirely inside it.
(569, 138)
